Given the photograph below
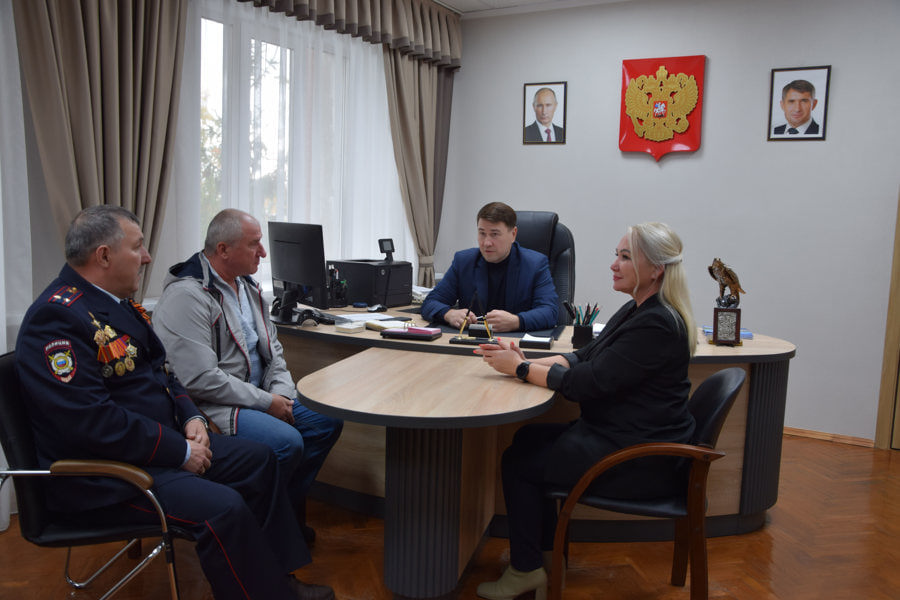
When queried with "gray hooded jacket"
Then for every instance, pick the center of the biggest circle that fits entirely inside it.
(206, 348)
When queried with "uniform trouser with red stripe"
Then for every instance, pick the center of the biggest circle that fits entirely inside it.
(247, 538)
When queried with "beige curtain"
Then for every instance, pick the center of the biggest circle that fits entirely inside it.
(419, 101)
(102, 79)
(422, 29)
(422, 49)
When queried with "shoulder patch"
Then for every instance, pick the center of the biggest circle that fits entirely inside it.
(65, 295)
(61, 359)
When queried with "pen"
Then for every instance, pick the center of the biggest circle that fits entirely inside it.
(465, 320)
(569, 309)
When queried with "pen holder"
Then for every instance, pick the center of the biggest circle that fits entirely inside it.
(583, 334)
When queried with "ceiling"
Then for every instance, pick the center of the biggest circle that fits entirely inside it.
(489, 8)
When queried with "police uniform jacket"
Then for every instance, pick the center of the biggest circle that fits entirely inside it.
(94, 374)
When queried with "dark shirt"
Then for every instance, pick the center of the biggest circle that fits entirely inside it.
(497, 285)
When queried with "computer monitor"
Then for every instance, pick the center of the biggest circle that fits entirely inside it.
(297, 255)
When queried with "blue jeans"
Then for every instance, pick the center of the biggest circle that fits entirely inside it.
(301, 448)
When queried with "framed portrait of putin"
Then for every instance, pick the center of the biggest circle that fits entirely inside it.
(544, 113)
(798, 104)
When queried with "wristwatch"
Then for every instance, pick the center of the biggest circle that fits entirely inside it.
(522, 370)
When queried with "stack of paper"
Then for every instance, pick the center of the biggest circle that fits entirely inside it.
(349, 326)
(382, 324)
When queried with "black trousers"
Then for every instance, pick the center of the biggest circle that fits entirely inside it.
(531, 517)
(559, 453)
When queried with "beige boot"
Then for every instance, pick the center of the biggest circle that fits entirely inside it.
(513, 583)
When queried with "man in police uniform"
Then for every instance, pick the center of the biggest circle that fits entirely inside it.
(98, 387)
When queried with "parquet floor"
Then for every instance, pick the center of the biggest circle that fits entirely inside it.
(834, 534)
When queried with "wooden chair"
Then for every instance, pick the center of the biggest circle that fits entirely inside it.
(709, 404)
(43, 527)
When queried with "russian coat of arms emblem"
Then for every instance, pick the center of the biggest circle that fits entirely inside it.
(661, 105)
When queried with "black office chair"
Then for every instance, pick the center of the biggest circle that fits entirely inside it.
(542, 232)
(710, 405)
(47, 528)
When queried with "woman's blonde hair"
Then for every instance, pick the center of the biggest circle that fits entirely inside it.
(662, 247)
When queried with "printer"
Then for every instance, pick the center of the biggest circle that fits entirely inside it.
(387, 282)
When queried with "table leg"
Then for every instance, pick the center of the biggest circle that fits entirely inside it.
(422, 503)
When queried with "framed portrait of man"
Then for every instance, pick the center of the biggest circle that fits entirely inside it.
(798, 104)
(544, 113)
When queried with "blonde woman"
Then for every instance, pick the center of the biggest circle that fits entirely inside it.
(632, 385)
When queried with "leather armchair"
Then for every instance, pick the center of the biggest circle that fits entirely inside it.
(542, 232)
(686, 506)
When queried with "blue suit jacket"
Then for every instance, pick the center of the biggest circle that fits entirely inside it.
(529, 287)
(134, 416)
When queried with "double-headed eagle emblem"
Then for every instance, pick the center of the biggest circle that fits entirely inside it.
(659, 105)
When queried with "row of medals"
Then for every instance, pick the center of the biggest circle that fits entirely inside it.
(108, 349)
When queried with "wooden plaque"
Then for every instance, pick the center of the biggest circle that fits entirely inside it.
(726, 327)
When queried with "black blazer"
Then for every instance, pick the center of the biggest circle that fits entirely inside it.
(632, 385)
(813, 129)
(533, 133)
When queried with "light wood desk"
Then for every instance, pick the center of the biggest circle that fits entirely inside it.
(742, 486)
(435, 508)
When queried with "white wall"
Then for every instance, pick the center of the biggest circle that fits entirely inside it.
(808, 226)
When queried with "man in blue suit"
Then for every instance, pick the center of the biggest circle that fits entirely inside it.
(98, 388)
(510, 284)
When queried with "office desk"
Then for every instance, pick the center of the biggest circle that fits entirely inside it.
(742, 486)
(425, 401)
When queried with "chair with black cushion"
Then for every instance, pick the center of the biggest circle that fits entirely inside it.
(47, 528)
(542, 232)
(709, 404)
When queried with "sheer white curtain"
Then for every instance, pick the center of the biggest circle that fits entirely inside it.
(15, 236)
(287, 121)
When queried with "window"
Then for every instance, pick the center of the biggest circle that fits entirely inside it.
(292, 125)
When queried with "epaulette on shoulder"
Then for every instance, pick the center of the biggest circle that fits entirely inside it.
(66, 295)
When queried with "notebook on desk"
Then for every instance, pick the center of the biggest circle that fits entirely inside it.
(413, 333)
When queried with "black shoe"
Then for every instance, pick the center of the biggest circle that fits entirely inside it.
(309, 591)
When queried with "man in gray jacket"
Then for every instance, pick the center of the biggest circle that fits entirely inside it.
(220, 342)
